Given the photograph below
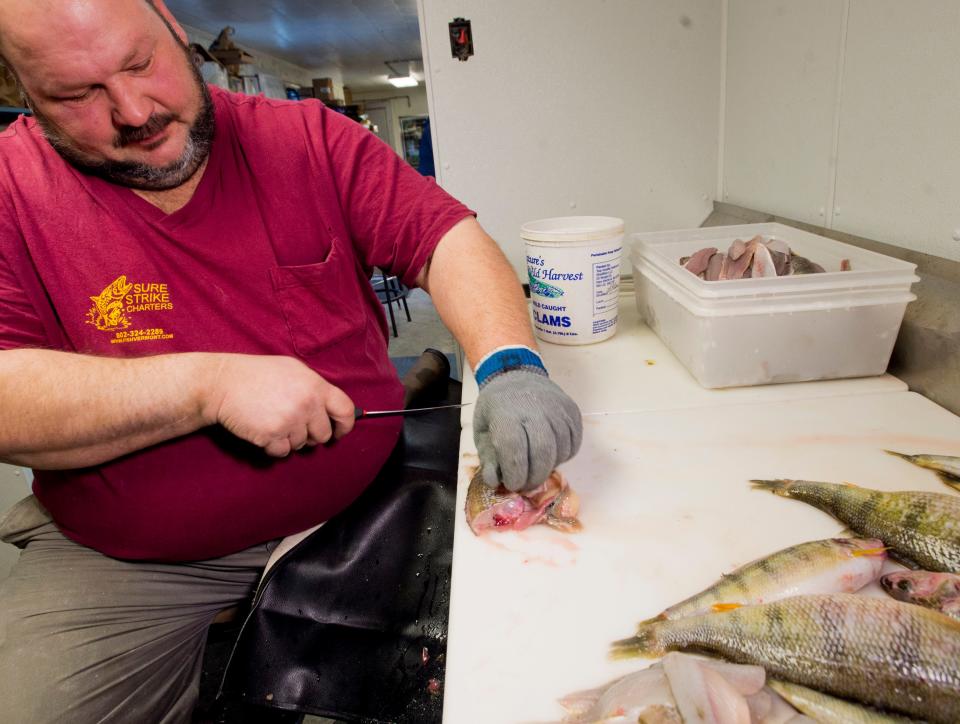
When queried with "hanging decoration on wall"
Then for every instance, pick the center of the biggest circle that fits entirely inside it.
(461, 39)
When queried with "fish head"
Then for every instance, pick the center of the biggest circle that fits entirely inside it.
(898, 585)
(120, 286)
(924, 586)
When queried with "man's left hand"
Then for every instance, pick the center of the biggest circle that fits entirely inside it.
(524, 425)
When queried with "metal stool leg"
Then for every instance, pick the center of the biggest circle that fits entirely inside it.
(387, 299)
(401, 297)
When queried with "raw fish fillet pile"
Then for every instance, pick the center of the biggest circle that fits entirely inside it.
(684, 688)
(751, 259)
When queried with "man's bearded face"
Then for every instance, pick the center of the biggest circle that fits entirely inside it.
(121, 99)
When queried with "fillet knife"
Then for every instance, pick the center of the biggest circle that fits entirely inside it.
(360, 414)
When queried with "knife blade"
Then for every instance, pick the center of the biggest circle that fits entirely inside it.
(360, 414)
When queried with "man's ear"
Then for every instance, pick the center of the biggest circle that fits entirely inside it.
(8, 77)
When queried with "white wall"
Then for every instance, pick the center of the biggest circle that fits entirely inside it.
(573, 107)
(398, 103)
(781, 87)
(847, 114)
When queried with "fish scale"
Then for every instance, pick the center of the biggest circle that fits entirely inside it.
(877, 651)
(923, 528)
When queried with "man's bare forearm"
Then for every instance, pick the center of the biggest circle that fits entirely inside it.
(64, 410)
(476, 292)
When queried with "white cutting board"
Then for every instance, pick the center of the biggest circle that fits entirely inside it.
(666, 508)
(634, 370)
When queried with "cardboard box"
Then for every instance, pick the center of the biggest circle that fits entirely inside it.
(323, 89)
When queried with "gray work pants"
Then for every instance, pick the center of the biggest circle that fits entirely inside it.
(88, 638)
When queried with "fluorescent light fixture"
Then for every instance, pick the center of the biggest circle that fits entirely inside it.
(402, 81)
(400, 75)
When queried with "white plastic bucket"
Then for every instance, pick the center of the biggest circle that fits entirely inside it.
(573, 266)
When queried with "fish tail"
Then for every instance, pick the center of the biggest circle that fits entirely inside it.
(950, 480)
(777, 487)
(644, 645)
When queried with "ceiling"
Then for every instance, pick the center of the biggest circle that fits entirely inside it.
(356, 36)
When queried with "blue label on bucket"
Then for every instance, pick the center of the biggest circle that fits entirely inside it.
(574, 291)
(543, 289)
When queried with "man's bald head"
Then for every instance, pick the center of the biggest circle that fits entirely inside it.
(112, 85)
(26, 25)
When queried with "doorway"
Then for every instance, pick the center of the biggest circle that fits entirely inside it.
(380, 117)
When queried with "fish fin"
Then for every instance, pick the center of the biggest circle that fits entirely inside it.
(643, 645)
(949, 480)
(777, 487)
(848, 484)
(647, 621)
(566, 525)
(721, 607)
(869, 551)
(903, 560)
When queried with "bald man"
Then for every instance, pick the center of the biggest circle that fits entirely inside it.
(186, 326)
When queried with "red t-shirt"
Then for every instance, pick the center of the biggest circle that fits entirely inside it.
(272, 255)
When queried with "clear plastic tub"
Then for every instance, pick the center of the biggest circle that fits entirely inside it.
(740, 332)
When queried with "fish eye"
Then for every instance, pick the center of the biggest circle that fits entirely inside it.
(903, 584)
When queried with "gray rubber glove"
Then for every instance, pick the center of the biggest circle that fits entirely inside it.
(524, 425)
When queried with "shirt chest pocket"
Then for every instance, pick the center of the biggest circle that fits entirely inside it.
(321, 303)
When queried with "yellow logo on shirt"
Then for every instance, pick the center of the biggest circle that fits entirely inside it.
(107, 310)
(113, 306)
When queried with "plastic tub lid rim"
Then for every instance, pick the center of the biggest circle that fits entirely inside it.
(572, 228)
